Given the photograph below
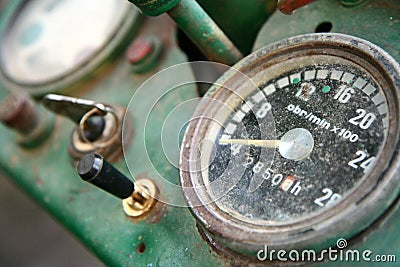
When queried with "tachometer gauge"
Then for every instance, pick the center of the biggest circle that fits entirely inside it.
(302, 151)
(45, 41)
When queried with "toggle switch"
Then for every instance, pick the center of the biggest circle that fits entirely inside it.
(94, 169)
(138, 198)
(98, 126)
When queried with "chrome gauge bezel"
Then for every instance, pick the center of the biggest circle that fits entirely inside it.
(355, 212)
(74, 77)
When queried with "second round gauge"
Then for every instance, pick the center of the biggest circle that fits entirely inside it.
(304, 136)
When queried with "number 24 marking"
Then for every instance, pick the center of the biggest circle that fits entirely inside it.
(365, 164)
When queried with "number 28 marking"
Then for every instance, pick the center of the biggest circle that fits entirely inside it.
(328, 198)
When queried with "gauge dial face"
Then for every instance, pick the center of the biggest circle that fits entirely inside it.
(323, 124)
(47, 39)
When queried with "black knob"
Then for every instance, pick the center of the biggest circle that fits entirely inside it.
(94, 127)
(93, 168)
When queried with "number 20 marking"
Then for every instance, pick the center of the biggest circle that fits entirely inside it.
(363, 120)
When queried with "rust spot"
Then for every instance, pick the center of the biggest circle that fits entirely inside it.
(38, 181)
(287, 7)
(141, 248)
(139, 50)
(84, 190)
(305, 90)
(13, 160)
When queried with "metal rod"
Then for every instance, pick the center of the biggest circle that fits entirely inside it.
(204, 32)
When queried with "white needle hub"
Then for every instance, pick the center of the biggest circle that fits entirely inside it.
(296, 144)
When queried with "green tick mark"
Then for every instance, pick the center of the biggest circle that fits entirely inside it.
(296, 80)
(326, 89)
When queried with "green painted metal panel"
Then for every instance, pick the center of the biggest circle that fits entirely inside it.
(171, 238)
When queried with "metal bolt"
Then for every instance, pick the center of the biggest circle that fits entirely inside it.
(19, 112)
(32, 124)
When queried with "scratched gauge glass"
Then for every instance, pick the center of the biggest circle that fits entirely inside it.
(47, 39)
(330, 122)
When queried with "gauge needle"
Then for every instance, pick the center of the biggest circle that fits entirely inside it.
(296, 144)
(263, 143)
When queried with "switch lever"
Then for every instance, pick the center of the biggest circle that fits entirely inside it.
(98, 126)
(93, 168)
(71, 107)
(138, 198)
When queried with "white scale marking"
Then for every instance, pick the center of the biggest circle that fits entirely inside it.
(225, 137)
(347, 77)
(270, 89)
(247, 106)
(231, 128)
(258, 97)
(383, 109)
(336, 74)
(309, 75)
(295, 76)
(281, 83)
(378, 99)
(322, 74)
(369, 89)
(238, 116)
(385, 122)
(360, 83)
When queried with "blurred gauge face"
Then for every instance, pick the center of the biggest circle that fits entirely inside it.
(48, 39)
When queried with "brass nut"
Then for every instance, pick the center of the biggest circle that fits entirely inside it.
(142, 199)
